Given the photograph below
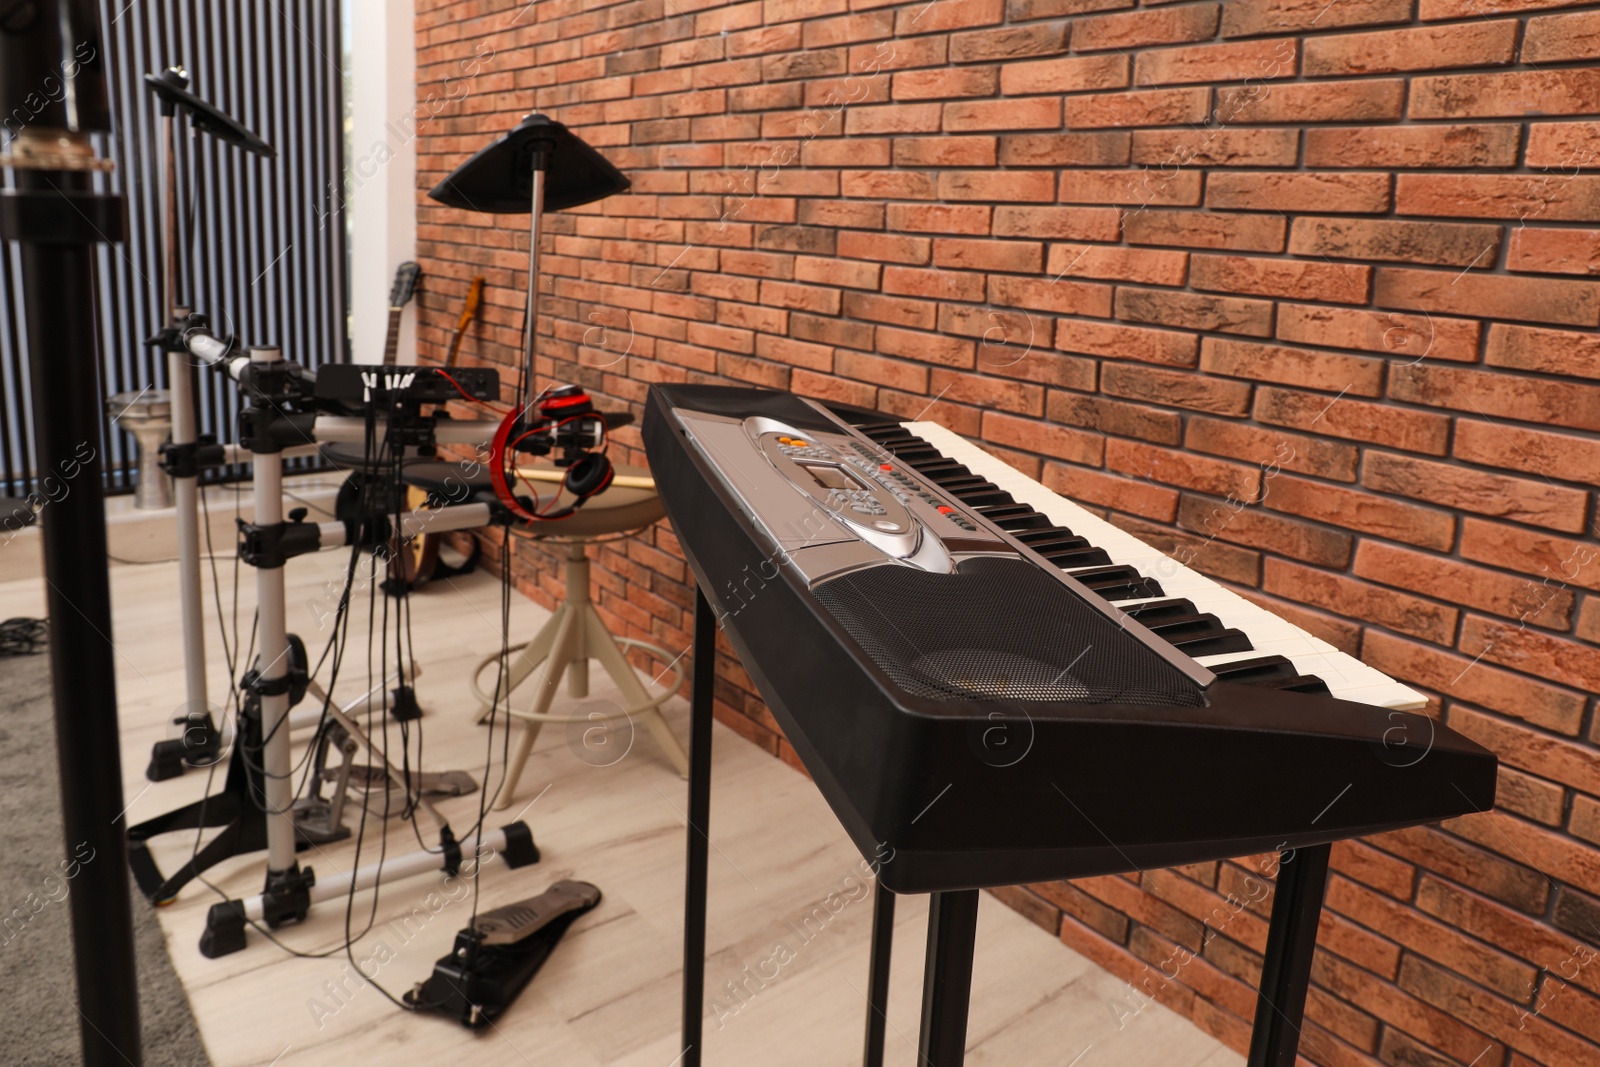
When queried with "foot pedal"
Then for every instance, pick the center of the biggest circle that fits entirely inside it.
(496, 957)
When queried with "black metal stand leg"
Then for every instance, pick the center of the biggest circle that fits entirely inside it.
(947, 978)
(878, 975)
(1286, 970)
(694, 905)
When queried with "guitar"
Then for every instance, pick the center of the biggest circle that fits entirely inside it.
(468, 313)
(406, 277)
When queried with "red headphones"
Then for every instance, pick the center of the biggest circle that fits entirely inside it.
(588, 475)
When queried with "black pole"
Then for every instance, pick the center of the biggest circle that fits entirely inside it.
(947, 978)
(878, 975)
(52, 74)
(694, 904)
(1291, 944)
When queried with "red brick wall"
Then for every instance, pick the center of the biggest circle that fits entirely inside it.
(1299, 290)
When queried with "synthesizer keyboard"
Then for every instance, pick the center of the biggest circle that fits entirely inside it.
(991, 686)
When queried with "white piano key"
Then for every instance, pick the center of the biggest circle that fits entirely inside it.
(1347, 677)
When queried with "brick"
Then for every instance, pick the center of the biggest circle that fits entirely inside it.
(837, 272)
(1560, 38)
(885, 249)
(1407, 337)
(1355, 509)
(1017, 257)
(917, 314)
(1230, 563)
(945, 83)
(1563, 145)
(1031, 435)
(1036, 113)
(1176, 389)
(1346, 596)
(939, 218)
(1064, 149)
(1272, 448)
(1206, 229)
(1461, 9)
(1004, 337)
(1545, 556)
(1354, 420)
(1588, 627)
(1309, 369)
(1469, 865)
(1538, 299)
(1139, 29)
(1413, 146)
(879, 371)
(1519, 746)
(1250, 18)
(1427, 937)
(1132, 495)
(926, 347)
(893, 119)
(1434, 243)
(1263, 529)
(1524, 92)
(1586, 818)
(1343, 634)
(1111, 340)
(1066, 74)
(1046, 295)
(1445, 579)
(1529, 796)
(1120, 264)
(939, 284)
(1351, 101)
(1023, 10)
(1142, 187)
(1061, 223)
(1329, 282)
(1172, 467)
(1551, 251)
(1080, 905)
(1542, 655)
(985, 391)
(1490, 393)
(1539, 197)
(1194, 311)
(1151, 107)
(1010, 42)
(1115, 417)
(944, 151)
(1474, 44)
(1301, 192)
(937, 18)
(1227, 62)
(1539, 703)
(1558, 456)
(1501, 496)
(1221, 147)
(991, 186)
(1548, 351)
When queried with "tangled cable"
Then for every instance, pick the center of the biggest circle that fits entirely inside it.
(24, 637)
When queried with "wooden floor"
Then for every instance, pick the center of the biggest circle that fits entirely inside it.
(610, 994)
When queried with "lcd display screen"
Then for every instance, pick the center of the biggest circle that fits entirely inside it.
(831, 477)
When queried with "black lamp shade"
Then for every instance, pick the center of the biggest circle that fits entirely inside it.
(499, 178)
(172, 86)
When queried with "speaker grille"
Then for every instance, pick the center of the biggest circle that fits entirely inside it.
(998, 629)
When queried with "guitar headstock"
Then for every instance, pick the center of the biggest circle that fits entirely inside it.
(406, 277)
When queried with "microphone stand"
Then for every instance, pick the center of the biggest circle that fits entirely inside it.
(56, 217)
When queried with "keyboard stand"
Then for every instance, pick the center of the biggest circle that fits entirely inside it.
(953, 923)
(1286, 967)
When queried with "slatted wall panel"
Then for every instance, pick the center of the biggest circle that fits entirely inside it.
(266, 238)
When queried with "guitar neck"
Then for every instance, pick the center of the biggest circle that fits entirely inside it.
(392, 343)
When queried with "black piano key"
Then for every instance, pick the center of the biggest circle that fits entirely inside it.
(1029, 537)
(1067, 559)
(1119, 582)
(993, 496)
(1184, 627)
(915, 455)
(1264, 670)
(1305, 683)
(876, 430)
(954, 482)
(948, 468)
(1228, 640)
(1059, 543)
(1160, 610)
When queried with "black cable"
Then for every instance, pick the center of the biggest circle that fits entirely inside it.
(24, 637)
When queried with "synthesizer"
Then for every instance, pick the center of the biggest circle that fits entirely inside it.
(992, 686)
